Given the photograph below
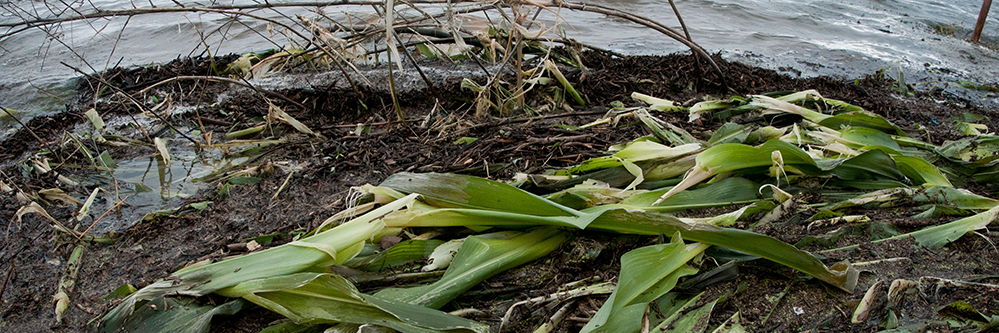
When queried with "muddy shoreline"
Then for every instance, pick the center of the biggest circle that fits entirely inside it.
(312, 178)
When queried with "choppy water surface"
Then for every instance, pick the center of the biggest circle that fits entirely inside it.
(820, 37)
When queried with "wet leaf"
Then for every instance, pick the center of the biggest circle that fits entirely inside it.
(160, 144)
(95, 119)
(275, 113)
(82, 213)
(58, 194)
(105, 160)
(962, 309)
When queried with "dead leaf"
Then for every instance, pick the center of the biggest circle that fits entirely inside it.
(161, 147)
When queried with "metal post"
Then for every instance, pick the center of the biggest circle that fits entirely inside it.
(986, 5)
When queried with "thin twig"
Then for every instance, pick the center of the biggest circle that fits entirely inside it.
(84, 233)
(648, 23)
(134, 101)
(430, 85)
(10, 271)
(32, 133)
(523, 120)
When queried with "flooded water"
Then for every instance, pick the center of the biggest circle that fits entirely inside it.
(846, 39)
(819, 37)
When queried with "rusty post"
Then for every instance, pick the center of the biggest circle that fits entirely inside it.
(986, 5)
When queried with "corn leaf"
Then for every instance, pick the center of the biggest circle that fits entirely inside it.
(450, 190)
(161, 147)
(730, 191)
(733, 156)
(920, 171)
(95, 119)
(870, 165)
(869, 137)
(706, 107)
(631, 221)
(861, 119)
(313, 252)
(477, 260)
(730, 133)
(58, 194)
(275, 113)
(178, 314)
(616, 218)
(619, 176)
(646, 274)
(695, 321)
(637, 151)
(317, 298)
(399, 254)
(938, 236)
(657, 104)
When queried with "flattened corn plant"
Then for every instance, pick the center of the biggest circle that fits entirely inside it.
(854, 158)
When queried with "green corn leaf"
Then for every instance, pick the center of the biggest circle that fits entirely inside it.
(868, 166)
(399, 254)
(615, 218)
(695, 321)
(646, 274)
(730, 133)
(178, 315)
(940, 195)
(449, 190)
(920, 171)
(869, 137)
(320, 250)
(730, 191)
(477, 260)
(861, 119)
(637, 151)
(733, 156)
(940, 235)
(322, 298)
(619, 176)
(631, 221)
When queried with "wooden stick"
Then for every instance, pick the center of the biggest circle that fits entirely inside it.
(986, 5)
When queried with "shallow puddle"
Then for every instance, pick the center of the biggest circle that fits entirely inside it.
(148, 185)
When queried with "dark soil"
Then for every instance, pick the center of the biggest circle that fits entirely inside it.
(34, 258)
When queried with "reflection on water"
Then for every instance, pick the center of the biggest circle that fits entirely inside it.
(151, 185)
